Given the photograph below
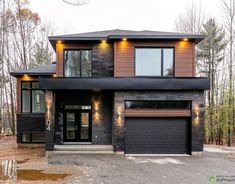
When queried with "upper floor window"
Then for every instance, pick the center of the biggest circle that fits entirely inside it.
(154, 62)
(77, 63)
(33, 99)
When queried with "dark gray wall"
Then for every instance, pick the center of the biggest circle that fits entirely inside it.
(29, 123)
(197, 98)
(101, 124)
(102, 60)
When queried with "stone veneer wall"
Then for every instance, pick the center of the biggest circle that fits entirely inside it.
(101, 115)
(197, 98)
(102, 60)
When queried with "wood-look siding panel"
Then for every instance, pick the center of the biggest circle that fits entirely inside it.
(157, 113)
(124, 57)
(60, 51)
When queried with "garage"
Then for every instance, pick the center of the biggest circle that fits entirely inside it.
(155, 135)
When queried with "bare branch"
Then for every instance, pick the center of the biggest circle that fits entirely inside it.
(76, 2)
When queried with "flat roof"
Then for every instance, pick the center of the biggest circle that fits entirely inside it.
(39, 70)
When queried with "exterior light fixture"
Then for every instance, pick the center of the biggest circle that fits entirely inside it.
(185, 39)
(124, 39)
(54, 75)
(197, 115)
(25, 75)
(59, 41)
(104, 41)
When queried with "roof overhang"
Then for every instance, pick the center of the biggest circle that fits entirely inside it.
(54, 39)
(16, 74)
(122, 83)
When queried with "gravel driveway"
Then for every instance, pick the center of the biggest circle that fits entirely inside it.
(148, 170)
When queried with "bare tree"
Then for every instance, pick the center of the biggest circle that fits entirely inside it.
(229, 10)
(76, 2)
(190, 21)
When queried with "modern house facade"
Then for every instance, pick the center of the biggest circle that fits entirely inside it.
(136, 91)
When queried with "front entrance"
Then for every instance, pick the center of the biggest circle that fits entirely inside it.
(77, 124)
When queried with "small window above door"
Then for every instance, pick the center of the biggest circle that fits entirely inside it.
(77, 107)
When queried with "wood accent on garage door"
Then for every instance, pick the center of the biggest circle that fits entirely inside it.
(124, 57)
(156, 113)
(60, 54)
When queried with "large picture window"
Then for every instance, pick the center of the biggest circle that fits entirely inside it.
(33, 99)
(154, 62)
(77, 63)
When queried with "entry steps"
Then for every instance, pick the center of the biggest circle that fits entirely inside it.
(83, 149)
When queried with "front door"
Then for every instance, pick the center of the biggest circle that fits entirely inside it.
(77, 126)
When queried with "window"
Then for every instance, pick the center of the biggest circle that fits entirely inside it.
(33, 99)
(157, 104)
(77, 63)
(37, 137)
(154, 62)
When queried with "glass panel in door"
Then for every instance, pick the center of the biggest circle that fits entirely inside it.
(84, 131)
(70, 126)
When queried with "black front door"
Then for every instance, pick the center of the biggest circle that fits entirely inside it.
(77, 125)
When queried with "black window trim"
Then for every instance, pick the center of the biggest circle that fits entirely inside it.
(189, 101)
(31, 135)
(31, 95)
(76, 49)
(162, 59)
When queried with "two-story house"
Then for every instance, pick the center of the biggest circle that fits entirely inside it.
(133, 91)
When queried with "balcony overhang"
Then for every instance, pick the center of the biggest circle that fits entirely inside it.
(122, 83)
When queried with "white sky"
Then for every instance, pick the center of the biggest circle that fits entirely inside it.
(158, 15)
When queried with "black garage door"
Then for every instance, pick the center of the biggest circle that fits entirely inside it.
(156, 136)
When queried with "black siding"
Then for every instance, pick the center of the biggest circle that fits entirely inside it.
(29, 123)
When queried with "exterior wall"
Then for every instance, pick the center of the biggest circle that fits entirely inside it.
(102, 58)
(124, 57)
(197, 98)
(101, 103)
(29, 123)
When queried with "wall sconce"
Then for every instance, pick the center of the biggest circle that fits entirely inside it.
(197, 115)
(119, 115)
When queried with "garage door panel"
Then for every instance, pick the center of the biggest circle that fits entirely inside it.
(155, 139)
(151, 149)
(156, 135)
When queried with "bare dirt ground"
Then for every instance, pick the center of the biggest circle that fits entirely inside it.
(29, 165)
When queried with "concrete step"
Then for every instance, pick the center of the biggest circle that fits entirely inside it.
(85, 148)
(83, 152)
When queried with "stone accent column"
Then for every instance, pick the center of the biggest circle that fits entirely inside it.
(118, 126)
(198, 112)
(49, 122)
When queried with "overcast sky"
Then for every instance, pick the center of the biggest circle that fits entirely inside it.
(158, 15)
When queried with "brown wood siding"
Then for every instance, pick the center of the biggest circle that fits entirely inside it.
(60, 51)
(157, 113)
(124, 57)
(18, 90)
